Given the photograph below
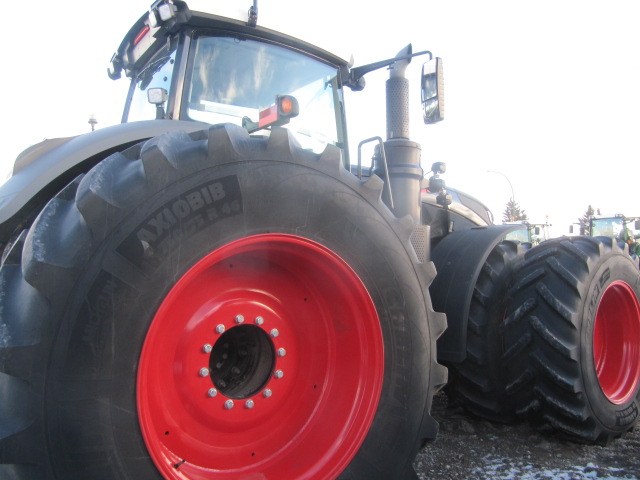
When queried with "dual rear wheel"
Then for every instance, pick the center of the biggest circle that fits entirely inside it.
(574, 331)
(553, 334)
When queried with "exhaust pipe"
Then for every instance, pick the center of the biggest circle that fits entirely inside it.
(403, 155)
(398, 97)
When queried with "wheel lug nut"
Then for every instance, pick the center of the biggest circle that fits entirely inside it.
(259, 320)
(204, 372)
(220, 328)
(212, 392)
(274, 332)
(249, 404)
(267, 393)
(239, 319)
(278, 374)
(207, 348)
(235, 370)
(228, 404)
(282, 352)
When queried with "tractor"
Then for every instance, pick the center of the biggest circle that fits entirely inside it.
(626, 229)
(619, 226)
(213, 289)
(532, 233)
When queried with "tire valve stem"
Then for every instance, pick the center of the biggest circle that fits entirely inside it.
(179, 464)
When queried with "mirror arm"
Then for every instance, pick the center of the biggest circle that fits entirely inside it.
(356, 74)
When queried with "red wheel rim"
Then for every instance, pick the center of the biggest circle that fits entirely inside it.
(265, 360)
(616, 342)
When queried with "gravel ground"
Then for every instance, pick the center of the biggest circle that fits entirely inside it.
(471, 448)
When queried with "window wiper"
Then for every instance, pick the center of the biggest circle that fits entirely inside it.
(146, 75)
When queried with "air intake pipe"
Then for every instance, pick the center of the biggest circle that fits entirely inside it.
(402, 155)
(398, 97)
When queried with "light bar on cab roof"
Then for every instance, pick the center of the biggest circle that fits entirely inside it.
(161, 12)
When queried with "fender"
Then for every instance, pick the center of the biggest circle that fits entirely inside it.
(53, 163)
(458, 259)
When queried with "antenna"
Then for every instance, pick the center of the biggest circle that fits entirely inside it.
(253, 14)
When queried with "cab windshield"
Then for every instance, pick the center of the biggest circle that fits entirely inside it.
(236, 78)
(606, 227)
(521, 235)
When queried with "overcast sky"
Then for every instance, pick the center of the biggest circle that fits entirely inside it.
(546, 93)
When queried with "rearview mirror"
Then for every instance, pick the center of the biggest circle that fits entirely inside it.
(433, 91)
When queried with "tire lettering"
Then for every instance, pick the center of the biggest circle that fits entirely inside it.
(595, 294)
(180, 209)
(196, 202)
(93, 326)
(184, 215)
(188, 228)
(627, 416)
(217, 191)
(102, 307)
(159, 224)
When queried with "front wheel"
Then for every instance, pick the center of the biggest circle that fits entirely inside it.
(574, 330)
(217, 306)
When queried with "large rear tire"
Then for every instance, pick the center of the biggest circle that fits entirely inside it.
(217, 306)
(573, 332)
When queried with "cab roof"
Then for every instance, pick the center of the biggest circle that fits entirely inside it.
(168, 17)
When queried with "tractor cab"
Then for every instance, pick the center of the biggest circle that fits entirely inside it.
(195, 66)
(533, 233)
(614, 226)
(188, 65)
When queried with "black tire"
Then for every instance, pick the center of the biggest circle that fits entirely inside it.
(81, 290)
(478, 381)
(574, 314)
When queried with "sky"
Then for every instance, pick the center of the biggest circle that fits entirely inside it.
(542, 99)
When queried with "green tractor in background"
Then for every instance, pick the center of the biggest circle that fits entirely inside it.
(618, 226)
(626, 229)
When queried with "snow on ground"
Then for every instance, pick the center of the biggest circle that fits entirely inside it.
(471, 448)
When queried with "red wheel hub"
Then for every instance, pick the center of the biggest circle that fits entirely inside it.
(616, 342)
(265, 360)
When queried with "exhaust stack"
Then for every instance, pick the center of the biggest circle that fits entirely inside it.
(398, 97)
(403, 155)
